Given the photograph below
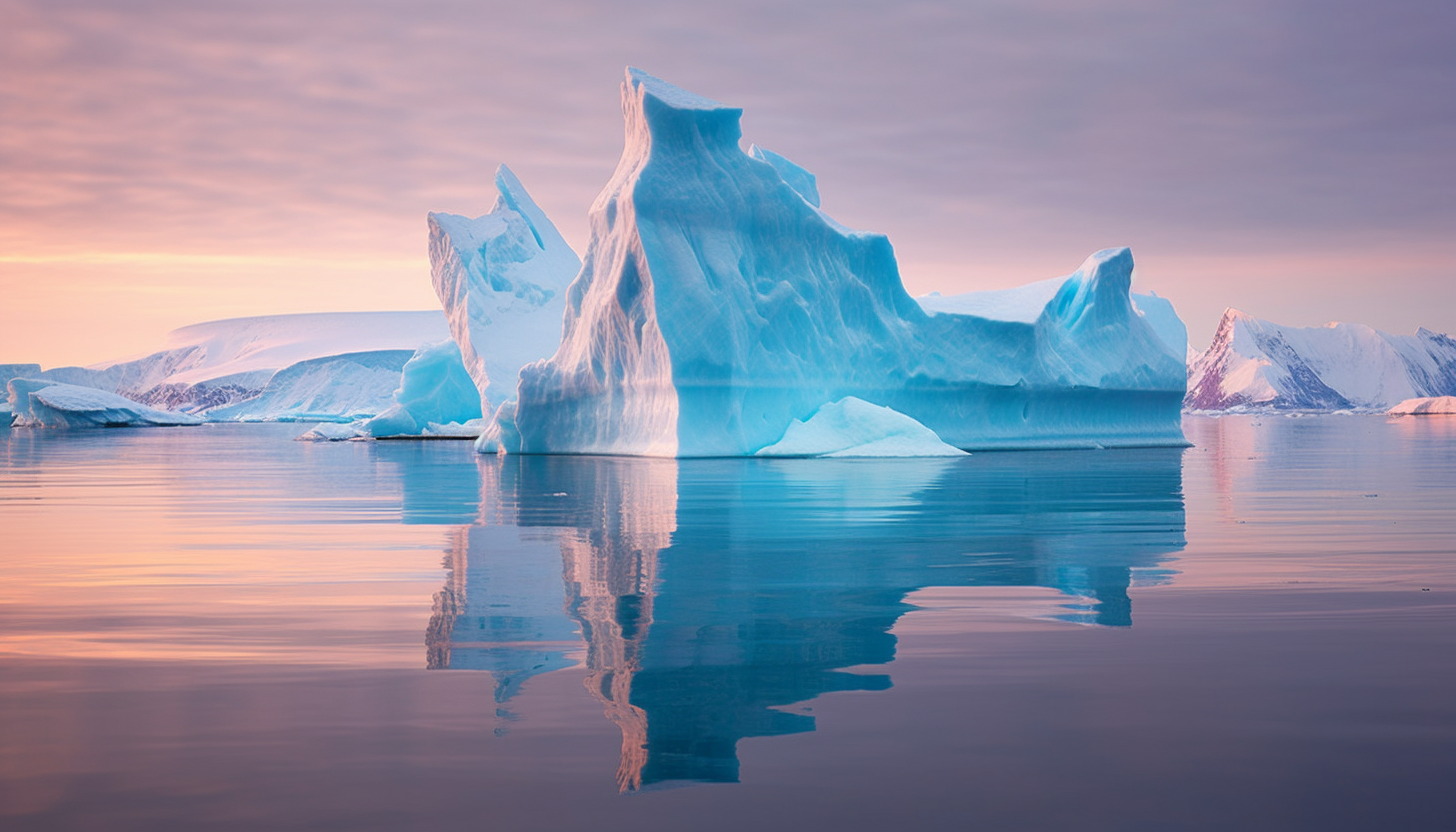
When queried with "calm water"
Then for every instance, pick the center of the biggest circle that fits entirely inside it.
(217, 627)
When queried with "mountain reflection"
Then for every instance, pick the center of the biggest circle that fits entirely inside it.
(713, 593)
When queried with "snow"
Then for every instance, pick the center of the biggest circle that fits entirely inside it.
(502, 280)
(853, 427)
(340, 388)
(716, 306)
(1257, 363)
(434, 389)
(1432, 405)
(43, 403)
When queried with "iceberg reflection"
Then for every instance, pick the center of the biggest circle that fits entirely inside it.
(711, 594)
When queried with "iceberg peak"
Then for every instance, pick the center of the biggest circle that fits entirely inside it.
(512, 195)
(672, 96)
(1098, 293)
(502, 279)
(660, 115)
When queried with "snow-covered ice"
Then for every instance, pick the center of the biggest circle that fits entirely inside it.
(717, 305)
(1428, 405)
(340, 388)
(502, 280)
(1339, 366)
(852, 427)
(43, 403)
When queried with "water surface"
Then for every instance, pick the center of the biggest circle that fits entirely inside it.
(217, 627)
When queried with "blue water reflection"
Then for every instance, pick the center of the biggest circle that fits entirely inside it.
(712, 593)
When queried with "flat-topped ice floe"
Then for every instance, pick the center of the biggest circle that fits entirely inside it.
(43, 403)
(1426, 406)
(718, 304)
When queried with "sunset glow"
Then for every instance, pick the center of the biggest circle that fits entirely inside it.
(167, 163)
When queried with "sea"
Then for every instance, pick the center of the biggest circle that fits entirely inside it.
(219, 627)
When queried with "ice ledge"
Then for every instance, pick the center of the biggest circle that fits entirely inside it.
(675, 97)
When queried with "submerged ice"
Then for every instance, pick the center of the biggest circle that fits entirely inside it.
(717, 305)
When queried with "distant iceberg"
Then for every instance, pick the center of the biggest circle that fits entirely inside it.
(1429, 405)
(340, 388)
(212, 369)
(718, 305)
(1253, 363)
(43, 403)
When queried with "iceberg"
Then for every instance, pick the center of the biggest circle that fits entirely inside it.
(434, 391)
(1254, 363)
(331, 432)
(207, 367)
(502, 280)
(338, 388)
(1425, 406)
(717, 305)
(852, 427)
(43, 403)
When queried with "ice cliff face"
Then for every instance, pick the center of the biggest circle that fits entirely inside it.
(1256, 363)
(502, 279)
(717, 304)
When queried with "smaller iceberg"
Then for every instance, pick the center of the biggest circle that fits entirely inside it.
(1425, 406)
(436, 397)
(853, 427)
(44, 403)
(331, 432)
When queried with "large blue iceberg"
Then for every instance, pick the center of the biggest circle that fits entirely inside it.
(717, 305)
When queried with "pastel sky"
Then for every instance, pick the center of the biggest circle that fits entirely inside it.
(171, 161)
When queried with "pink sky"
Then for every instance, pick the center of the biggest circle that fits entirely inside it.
(172, 162)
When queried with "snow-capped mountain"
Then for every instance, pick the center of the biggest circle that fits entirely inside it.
(1256, 363)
